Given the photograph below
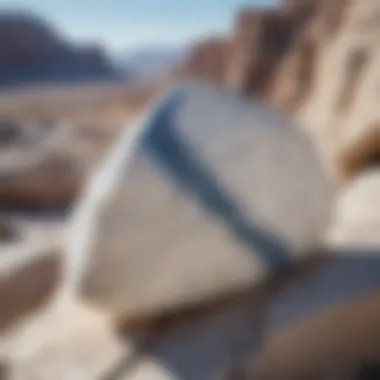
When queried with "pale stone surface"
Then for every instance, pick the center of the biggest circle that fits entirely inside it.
(64, 343)
(341, 107)
(356, 221)
(155, 246)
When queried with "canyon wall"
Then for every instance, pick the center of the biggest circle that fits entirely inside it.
(316, 60)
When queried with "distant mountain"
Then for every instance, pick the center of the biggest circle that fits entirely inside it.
(151, 62)
(31, 51)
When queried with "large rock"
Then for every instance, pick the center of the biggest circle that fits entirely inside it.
(207, 194)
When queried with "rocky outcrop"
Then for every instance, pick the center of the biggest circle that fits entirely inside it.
(32, 52)
(261, 41)
(208, 61)
(341, 109)
(252, 56)
(317, 60)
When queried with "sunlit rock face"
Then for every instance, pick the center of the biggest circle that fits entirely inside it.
(195, 204)
(341, 110)
(357, 222)
(208, 60)
(316, 60)
(63, 343)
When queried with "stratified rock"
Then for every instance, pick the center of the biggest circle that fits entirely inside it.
(261, 40)
(251, 58)
(341, 111)
(316, 60)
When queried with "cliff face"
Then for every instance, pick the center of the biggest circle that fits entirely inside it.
(315, 59)
(260, 43)
(32, 52)
(250, 59)
(209, 60)
(340, 108)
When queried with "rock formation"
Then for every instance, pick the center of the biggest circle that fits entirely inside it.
(254, 54)
(317, 60)
(208, 61)
(183, 210)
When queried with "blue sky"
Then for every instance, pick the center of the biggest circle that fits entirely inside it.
(126, 24)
